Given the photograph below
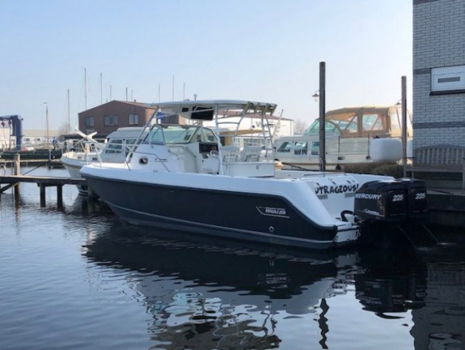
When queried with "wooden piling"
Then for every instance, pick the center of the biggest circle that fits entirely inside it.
(404, 125)
(322, 120)
(42, 195)
(60, 196)
(17, 171)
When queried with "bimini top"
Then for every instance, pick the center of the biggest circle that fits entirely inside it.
(206, 109)
(218, 103)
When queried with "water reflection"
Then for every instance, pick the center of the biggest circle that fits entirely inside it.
(205, 295)
(208, 296)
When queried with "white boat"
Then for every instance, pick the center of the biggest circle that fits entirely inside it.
(355, 135)
(181, 177)
(87, 150)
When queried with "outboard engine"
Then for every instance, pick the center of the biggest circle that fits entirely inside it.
(391, 200)
(416, 195)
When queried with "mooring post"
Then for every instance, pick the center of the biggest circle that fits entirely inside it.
(60, 196)
(404, 126)
(17, 171)
(49, 163)
(42, 195)
(90, 200)
(322, 116)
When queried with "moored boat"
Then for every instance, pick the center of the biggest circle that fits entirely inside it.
(182, 177)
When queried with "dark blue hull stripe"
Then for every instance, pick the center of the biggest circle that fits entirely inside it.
(214, 227)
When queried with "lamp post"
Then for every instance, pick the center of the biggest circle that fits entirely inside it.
(320, 95)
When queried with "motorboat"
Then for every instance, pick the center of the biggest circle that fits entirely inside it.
(87, 150)
(181, 177)
(355, 135)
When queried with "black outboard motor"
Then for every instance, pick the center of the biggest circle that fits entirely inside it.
(391, 201)
(416, 198)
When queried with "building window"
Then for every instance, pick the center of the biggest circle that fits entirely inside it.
(133, 119)
(110, 120)
(89, 122)
(448, 80)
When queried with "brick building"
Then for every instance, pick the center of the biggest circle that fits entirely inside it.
(438, 72)
(112, 115)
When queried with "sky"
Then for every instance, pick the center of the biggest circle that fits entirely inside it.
(262, 50)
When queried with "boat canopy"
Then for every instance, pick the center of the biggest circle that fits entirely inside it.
(206, 109)
(362, 121)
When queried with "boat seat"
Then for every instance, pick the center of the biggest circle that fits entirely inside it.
(251, 153)
(230, 154)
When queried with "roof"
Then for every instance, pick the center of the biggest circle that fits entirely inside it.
(40, 132)
(134, 103)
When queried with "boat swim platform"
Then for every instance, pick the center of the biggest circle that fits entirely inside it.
(43, 182)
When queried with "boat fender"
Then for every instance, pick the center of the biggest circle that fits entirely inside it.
(344, 213)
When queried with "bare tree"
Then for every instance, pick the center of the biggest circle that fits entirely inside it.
(299, 127)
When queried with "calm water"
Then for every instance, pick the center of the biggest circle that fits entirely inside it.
(79, 279)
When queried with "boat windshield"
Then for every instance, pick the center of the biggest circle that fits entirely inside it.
(179, 134)
(315, 127)
(336, 123)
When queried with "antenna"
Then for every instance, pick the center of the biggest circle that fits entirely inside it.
(126, 94)
(101, 87)
(69, 112)
(183, 90)
(159, 89)
(110, 92)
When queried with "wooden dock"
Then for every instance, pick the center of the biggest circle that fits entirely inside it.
(54, 163)
(43, 182)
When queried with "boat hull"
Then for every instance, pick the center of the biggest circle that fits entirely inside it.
(73, 166)
(239, 215)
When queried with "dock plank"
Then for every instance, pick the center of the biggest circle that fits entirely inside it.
(41, 180)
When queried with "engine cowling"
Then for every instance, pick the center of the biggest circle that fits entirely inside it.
(391, 200)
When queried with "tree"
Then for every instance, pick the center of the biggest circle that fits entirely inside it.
(299, 127)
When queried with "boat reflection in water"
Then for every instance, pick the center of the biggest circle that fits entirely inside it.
(206, 295)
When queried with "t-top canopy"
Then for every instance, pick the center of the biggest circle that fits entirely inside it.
(205, 109)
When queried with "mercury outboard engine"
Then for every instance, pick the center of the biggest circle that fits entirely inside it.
(391, 201)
